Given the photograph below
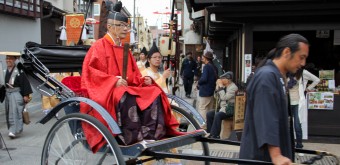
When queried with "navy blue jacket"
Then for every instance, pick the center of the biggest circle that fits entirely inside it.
(207, 82)
(188, 68)
(266, 118)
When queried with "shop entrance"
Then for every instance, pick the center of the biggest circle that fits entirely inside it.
(323, 54)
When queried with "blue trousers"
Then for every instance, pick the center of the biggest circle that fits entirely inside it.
(214, 121)
(297, 124)
(187, 82)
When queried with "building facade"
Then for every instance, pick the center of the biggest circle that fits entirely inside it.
(238, 29)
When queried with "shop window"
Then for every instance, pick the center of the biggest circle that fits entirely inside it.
(27, 8)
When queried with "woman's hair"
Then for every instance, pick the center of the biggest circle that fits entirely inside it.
(299, 73)
(147, 63)
(291, 41)
(294, 77)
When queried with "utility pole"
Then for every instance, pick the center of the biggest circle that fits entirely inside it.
(134, 17)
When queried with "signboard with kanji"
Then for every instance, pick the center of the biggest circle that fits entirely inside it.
(74, 25)
(240, 105)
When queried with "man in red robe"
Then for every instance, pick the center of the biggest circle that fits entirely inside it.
(101, 77)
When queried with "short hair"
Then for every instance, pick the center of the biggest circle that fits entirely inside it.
(188, 53)
(209, 56)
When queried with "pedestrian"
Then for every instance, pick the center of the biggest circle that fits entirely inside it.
(297, 87)
(142, 59)
(17, 95)
(197, 74)
(188, 71)
(135, 95)
(154, 61)
(198, 67)
(225, 91)
(207, 84)
(266, 135)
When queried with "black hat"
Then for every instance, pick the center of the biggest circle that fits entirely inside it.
(115, 13)
(144, 51)
(153, 50)
(227, 75)
(209, 55)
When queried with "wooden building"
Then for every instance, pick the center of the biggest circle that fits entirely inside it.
(239, 27)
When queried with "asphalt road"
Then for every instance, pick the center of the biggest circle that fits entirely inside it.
(25, 149)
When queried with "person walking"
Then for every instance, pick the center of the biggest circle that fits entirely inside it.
(207, 84)
(297, 86)
(198, 67)
(225, 91)
(17, 95)
(188, 71)
(266, 135)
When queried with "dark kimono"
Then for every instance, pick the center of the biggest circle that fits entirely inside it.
(266, 120)
(17, 86)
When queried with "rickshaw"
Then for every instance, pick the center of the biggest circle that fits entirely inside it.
(66, 142)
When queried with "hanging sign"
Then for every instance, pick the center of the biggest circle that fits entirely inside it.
(74, 25)
(247, 66)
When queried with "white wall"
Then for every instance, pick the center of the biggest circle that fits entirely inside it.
(186, 22)
(15, 31)
(68, 6)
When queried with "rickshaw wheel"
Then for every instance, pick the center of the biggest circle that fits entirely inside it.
(189, 124)
(66, 144)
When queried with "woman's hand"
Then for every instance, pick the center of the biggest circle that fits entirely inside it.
(166, 73)
(147, 81)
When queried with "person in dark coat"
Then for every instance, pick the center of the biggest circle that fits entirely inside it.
(187, 73)
(207, 84)
(17, 95)
(267, 135)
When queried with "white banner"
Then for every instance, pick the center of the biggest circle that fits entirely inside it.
(247, 66)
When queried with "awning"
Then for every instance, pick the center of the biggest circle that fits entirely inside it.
(226, 17)
(51, 11)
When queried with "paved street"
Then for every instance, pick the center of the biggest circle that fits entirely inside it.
(26, 149)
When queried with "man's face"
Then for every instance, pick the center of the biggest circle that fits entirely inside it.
(198, 58)
(10, 61)
(298, 59)
(204, 60)
(225, 81)
(189, 56)
(117, 28)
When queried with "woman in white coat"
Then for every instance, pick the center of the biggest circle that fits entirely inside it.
(297, 86)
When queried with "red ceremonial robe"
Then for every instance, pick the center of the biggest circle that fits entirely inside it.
(102, 63)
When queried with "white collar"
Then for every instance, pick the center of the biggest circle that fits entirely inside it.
(113, 39)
